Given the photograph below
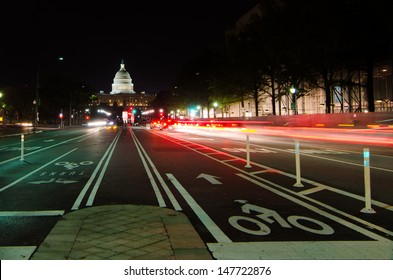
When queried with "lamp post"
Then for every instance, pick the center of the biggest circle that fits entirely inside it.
(36, 100)
(199, 111)
(294, 106)
(2, 112)
(215, 104)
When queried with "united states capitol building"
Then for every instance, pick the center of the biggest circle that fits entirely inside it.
(123, 95)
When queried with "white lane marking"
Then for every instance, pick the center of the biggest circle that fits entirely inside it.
(217, 233)
(321, 212)
(328, 159)
(228, 160)
(319, 151)
(346, 162)
(102, 173)
(156, 190)
(210, 178)
(170, 195)
(313, 190)
(263, 171)
(309, 153)
(31, 213)
(16, 252)
(345, 193)
(303, 250)
(38, 169)
(82, 194)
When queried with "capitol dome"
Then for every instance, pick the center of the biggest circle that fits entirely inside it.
(122, 83)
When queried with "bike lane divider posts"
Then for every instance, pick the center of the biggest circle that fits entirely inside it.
(22, 147)
(367, 185)
(297, 160)
(248, 165)
(248, 131)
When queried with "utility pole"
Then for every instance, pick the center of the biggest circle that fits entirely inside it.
(37, 98)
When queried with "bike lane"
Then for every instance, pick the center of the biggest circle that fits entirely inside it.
(46, 186)
(229, 205)
(324, 183)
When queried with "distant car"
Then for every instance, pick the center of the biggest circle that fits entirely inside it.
(161, 124)
(156, 124)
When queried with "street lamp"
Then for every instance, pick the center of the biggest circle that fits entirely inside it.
(36, 100)
(294, 106)
(2, 112)
(215, 104)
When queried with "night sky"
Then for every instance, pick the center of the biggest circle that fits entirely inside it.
(154, 38)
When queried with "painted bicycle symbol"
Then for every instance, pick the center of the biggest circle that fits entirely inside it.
(257, 227)
(72, 165)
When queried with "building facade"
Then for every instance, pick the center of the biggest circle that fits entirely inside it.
(350, 96)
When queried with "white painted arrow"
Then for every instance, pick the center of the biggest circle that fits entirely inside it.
(60, 180)
(210, 178)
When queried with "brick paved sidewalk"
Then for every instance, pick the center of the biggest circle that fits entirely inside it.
(123, 232)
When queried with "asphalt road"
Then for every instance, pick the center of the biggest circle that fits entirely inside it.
(231, 192)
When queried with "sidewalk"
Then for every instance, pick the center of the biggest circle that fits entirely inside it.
(123, 232)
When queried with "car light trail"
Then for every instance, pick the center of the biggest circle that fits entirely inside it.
(356, 136)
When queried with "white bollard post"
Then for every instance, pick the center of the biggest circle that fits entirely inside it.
(248, 165)
(22, 147)
(297, 157)
(367, 184)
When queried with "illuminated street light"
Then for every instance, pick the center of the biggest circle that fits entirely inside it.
(2, 112)
(200, 111)
(35, 103)
(292, 90)
(215, 105)
(61, 118)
